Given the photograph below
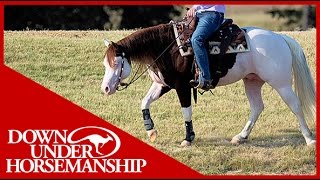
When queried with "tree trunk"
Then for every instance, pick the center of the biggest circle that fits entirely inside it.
(305, 18)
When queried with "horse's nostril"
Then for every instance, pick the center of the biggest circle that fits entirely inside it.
(107, 89)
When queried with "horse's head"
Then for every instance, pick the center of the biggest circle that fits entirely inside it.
(117, 67)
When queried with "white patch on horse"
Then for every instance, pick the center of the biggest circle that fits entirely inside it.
(187, 113)
(158, 78)
(111, 77)
(152, 95)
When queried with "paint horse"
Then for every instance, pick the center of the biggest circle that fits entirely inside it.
(271, 59)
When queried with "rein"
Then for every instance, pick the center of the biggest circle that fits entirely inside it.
(134, 78)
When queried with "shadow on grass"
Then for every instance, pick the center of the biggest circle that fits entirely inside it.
(289, 138)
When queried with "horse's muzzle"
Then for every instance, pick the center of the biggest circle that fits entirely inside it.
(105, 90)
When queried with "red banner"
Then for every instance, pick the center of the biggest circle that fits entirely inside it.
(45, 134)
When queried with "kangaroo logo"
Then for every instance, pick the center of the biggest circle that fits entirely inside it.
(97, 140)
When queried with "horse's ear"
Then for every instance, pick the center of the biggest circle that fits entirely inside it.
(107, 42)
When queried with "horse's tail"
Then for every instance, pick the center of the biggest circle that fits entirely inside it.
(303, 82)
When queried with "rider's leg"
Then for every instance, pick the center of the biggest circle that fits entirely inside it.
(208, 23)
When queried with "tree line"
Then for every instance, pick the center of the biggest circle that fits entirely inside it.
(119, 17)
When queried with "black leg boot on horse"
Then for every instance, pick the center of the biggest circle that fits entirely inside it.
(149, 125)
(190, 135)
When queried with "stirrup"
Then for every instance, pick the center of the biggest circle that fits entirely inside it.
(194, 83)
(206, 85)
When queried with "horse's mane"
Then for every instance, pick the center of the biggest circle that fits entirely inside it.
(144, 45)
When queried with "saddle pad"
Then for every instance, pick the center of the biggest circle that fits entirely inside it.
(214, 47)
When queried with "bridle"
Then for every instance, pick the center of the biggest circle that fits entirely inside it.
(121, 71)
(121, 85)
(123, 56)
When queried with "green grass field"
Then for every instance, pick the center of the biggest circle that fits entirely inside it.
(70, 64)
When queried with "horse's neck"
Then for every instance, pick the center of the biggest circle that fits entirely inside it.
(146, 45)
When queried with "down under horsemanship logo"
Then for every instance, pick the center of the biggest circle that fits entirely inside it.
(85, 149)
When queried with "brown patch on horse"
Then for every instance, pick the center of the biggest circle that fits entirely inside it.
(145, 45)
(115, 50)
(110, 54)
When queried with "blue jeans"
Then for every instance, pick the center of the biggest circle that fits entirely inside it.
(208, 23)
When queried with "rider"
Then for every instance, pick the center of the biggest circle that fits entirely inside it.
(209, 18)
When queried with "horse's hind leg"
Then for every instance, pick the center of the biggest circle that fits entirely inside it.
(290, 98)
(253, 86)
(155, 92)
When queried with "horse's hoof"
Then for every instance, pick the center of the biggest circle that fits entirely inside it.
(311, 143)
(185, 143)
(236, 140)
(152, 134)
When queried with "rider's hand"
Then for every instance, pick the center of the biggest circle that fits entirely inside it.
(191, 12)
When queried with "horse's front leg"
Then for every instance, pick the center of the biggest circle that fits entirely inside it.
(184, 94)
(155, 92)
